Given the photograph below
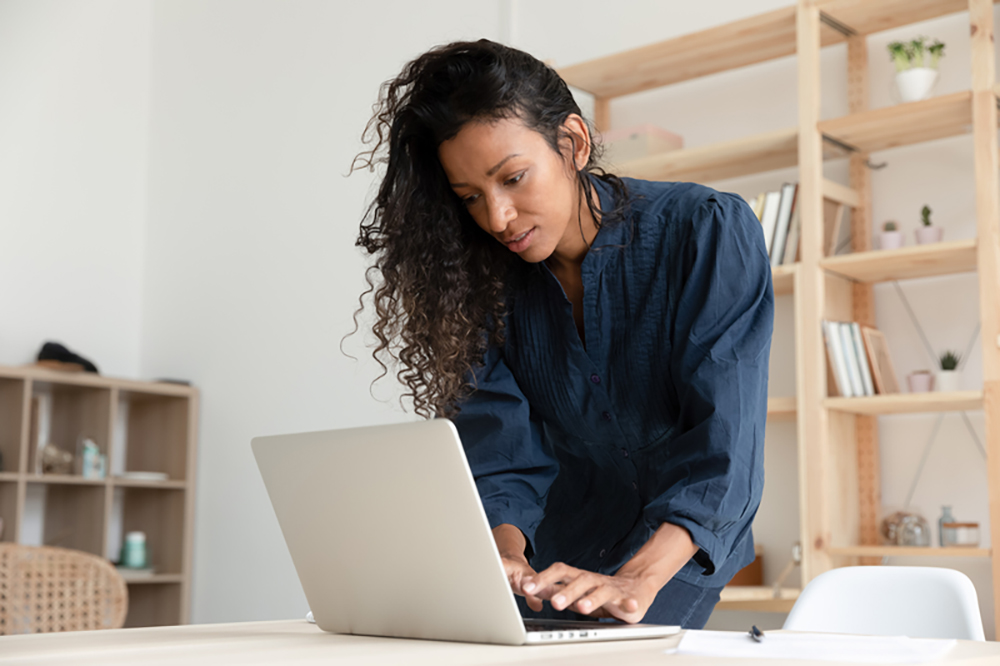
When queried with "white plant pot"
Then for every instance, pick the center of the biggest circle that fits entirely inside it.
(891, 240)
(920, 382)
(915, 84)
(946, 380)
(929, 235)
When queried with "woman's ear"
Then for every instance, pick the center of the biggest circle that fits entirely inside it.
(580, 135)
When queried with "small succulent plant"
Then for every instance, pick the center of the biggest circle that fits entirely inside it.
(950, 360)
(906, 55)
(925, 216)
(889, 226)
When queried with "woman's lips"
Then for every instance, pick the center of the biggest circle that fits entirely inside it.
(522, 242)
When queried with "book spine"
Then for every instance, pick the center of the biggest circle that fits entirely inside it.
(769, 218)
(859, 350)
(852, 360)
(784, 219)
(836, 358)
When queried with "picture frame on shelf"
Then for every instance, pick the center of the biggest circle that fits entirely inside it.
(883, 372)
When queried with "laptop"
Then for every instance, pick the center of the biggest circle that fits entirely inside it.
(389, 538)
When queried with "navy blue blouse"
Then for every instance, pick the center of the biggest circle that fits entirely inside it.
(660, 417)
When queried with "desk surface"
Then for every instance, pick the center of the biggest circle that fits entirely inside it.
(298, 642)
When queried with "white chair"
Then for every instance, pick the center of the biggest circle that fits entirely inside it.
(919, 602)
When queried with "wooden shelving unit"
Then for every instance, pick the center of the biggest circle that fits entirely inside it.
(140, 426)
(759, 598)
(838, 437)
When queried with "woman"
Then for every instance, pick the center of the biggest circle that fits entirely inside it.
(601, 343)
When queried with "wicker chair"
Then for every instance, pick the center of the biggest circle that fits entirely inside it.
(45, 589)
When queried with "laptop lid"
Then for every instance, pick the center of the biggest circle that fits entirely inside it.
(387, 533)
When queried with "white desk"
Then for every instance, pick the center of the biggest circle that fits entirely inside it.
(298, 642)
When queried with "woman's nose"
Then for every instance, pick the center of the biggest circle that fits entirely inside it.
(501, 213)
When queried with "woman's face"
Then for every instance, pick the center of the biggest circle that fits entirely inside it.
(516, 187)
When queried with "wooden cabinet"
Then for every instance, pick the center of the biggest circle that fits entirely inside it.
(838, 452)
(141, 427)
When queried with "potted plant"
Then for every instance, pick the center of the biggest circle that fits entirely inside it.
(890, 238)
(916, 67)
(947, 378)
(920, 381)
(928, 233)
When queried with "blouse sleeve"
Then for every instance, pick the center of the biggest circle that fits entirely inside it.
(719, 369)
(502, 441)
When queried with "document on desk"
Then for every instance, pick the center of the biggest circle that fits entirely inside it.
(826, 647)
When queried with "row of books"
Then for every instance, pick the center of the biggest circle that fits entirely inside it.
(859, 359)
(779, 215)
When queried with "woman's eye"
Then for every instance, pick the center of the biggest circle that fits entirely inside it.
(469, 200)
(515, 179)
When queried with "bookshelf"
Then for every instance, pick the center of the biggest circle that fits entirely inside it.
(140, 426)
(838, 451)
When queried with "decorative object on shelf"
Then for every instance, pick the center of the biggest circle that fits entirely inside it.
(143, 476)
(966, 534)
(947, 377)
(56, 460)
(134, 551)
(883, 372)
(906, 528)
(633, 143)
(927, 232)
(54, 356)
(91, 463)
(946, 533)
(916, 67)
(890, 238)
(920, 381)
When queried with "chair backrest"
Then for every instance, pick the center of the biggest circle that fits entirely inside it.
(45, 589)
(920, 602)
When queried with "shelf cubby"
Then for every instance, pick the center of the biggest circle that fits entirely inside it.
(74, 516)
(13, 395)
(8, 510)
(156, 433)
(153, 605)
(945, 258)
(159, 513)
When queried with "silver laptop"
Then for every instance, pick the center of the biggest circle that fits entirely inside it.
(389, 538)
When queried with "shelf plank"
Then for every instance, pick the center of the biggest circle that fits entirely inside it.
(944, 258)
(908, 403)
(155, 579)
(903, 124)
(908, 551)
(727, 159)
(757, 598)
(737, 44)
(89, 379)
(783, 278)
(134, 483)
(841, 194)
(9, 476)
(781, 409)
(868, 16)
(64, 479)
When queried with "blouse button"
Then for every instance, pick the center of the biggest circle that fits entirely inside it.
(625, 452)
(607, 416)
(602, 553)
(596, 378)
(635, 486)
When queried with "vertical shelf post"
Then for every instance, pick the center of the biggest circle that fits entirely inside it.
(602, 113)
(866, 427)
(809, 299)
(984, 130)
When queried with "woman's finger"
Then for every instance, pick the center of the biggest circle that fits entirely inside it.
(597, 598)
(578, 587)
(540, 583)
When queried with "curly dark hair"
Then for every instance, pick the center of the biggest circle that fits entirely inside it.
(439, 283)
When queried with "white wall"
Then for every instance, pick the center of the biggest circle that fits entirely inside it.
(74, 107)
(251, 274)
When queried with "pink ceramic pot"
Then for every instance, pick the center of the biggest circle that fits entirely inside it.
(929, 235)
(920, 382)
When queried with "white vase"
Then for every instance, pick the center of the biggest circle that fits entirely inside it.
(891, 240)
(916, 83)
(929, 235)
(946, 380)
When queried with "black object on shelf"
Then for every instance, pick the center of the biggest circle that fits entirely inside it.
(53, 351)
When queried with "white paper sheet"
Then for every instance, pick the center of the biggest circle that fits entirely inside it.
(826, 647)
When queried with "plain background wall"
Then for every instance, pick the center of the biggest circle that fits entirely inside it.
(173, 202)
(74, 110)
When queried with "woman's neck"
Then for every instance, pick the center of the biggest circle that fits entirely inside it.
(569, 255)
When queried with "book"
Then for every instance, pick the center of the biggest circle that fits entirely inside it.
(883, 373)
(851, 359)
(769, 218)
(788, 192)
(834, 349)
(859, 349)
(757, 204)
(794, 232)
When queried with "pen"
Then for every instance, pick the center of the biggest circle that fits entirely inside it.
(756, 634)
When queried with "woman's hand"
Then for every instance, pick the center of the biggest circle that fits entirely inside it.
(624, 597)
(517, 569)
